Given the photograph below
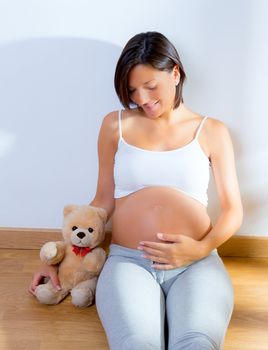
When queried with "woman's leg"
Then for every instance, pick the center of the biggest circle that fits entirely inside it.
(199, 305)
(131, 305)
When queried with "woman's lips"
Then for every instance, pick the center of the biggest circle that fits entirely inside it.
(150, 106)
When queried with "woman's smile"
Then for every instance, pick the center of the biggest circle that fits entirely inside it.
(150, 106)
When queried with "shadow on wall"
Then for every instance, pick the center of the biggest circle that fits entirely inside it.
(54, 95)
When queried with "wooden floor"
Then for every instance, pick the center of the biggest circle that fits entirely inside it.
(26, 324)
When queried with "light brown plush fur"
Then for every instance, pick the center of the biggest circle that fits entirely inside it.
(84, 226)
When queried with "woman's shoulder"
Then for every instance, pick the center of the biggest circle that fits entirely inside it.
(215, 127)
(110, 117)
(109, 127)
(215, 136)
(110, 123)
(110, 120)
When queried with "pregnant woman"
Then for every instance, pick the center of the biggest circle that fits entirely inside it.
(163, 285)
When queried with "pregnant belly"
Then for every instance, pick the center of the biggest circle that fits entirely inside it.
(140, 215)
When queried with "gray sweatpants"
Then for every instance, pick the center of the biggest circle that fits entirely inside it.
(187, 308)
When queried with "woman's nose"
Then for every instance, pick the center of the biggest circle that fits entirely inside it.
(141, 97)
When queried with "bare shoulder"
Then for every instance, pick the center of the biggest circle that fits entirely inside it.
(216, 129)
(110, 120)
(215, 125)
(217, 137)
(214, 137)
(109, 126)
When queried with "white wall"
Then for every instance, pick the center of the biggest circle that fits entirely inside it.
(57, 61)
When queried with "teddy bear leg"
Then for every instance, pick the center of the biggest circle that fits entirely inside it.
(83, 294)
(47, 294)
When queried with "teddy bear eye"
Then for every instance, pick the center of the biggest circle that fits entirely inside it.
(90, 229)
(74, 228)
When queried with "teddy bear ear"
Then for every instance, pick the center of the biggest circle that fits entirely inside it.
(68, 209)
(103, 214)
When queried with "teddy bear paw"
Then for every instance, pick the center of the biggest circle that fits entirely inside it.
(48, 251)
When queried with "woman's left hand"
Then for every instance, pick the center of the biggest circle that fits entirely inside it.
(178, 250)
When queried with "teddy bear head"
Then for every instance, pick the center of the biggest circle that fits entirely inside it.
(84, 225)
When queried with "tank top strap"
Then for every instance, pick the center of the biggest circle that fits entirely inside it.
(200, 127)
(120, 124)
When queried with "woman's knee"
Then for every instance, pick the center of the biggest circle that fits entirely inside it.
(194, 341)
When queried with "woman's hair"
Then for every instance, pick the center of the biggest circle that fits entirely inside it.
(150, 48)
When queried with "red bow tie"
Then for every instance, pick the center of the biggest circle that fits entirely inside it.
(81, 250)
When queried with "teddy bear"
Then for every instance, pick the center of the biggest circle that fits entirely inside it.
(79, 256)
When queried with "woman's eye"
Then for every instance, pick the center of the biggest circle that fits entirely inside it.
(152, 88)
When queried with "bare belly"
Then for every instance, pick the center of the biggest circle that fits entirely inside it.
(140, 215)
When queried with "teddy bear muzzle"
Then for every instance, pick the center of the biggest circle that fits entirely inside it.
(81, 237)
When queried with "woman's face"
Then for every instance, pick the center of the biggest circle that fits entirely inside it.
(151, 89)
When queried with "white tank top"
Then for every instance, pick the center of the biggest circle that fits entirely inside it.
(185, 169)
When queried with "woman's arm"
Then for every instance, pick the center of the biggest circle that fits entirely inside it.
(224, 171)
(107, 146)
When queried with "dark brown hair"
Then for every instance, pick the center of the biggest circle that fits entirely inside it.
(150, 48)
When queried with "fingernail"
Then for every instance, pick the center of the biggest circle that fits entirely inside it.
(160, 235)
(142, 243)
(58, 287)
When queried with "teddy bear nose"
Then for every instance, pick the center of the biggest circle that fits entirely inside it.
(81, 235)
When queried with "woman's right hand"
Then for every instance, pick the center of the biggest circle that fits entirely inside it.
(45, 270)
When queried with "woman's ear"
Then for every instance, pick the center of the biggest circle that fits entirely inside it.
(176, 74)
